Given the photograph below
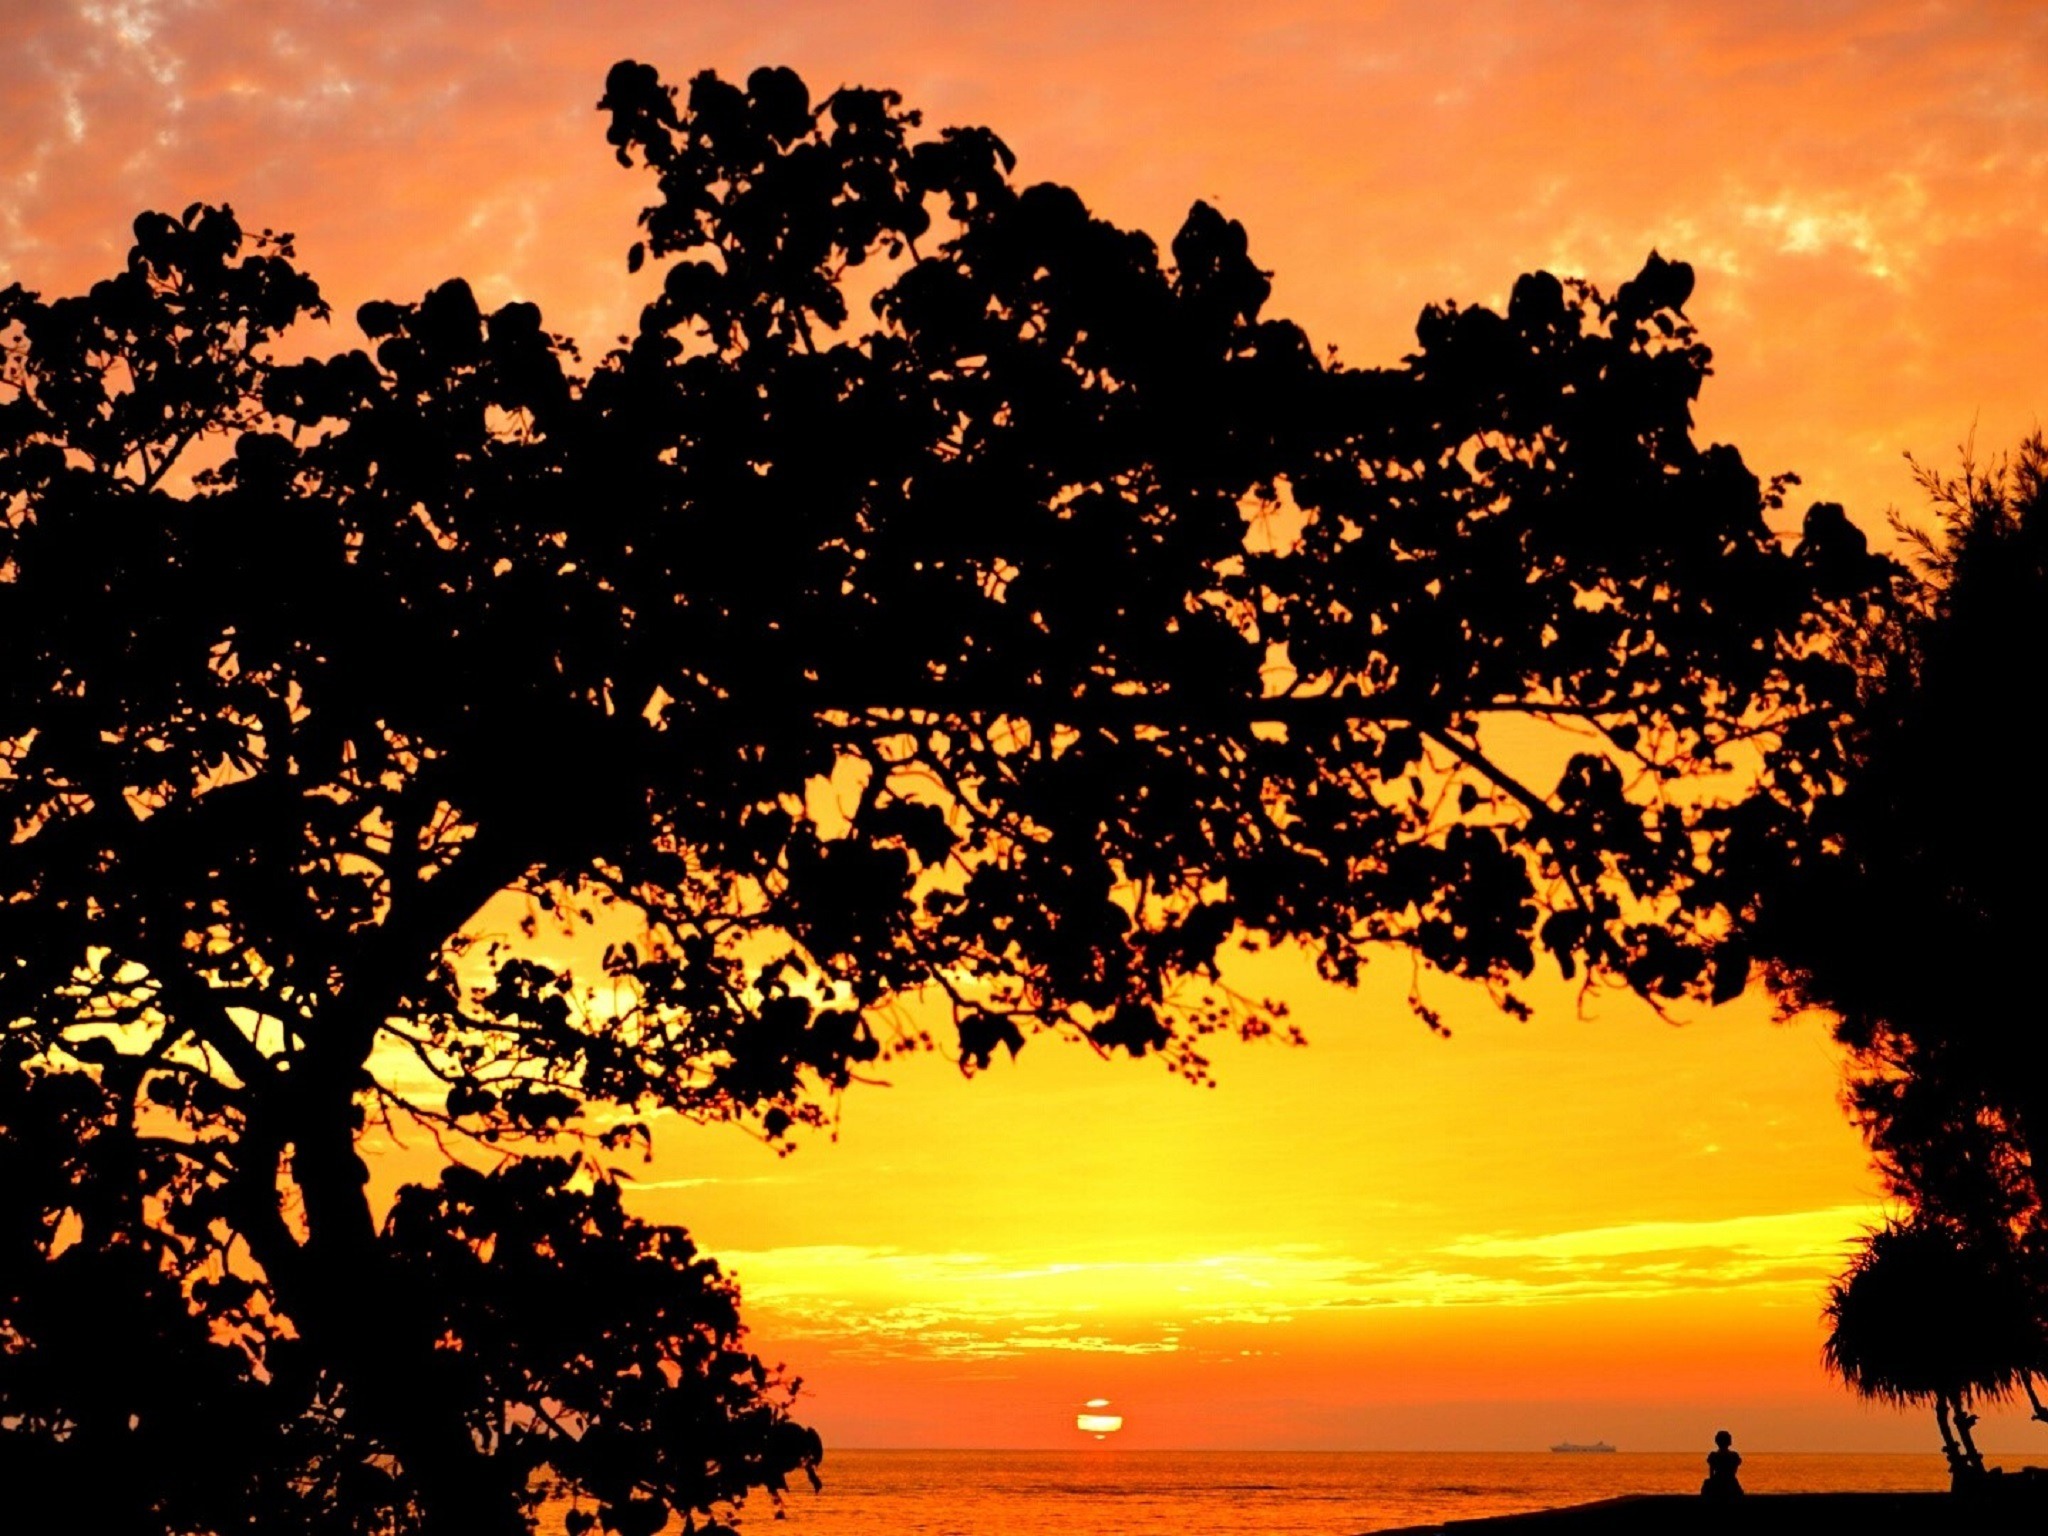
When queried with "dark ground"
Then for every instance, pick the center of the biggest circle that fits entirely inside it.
(2020, 1503)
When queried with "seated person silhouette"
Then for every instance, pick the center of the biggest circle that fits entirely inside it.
(1721, 1464)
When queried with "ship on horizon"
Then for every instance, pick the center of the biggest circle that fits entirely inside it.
(1568, 1445)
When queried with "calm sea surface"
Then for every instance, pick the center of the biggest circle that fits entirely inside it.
(1232, 1493)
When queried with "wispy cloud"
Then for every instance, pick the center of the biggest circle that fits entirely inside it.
(1860, 183)
(887, 1302)
(1791, 1235)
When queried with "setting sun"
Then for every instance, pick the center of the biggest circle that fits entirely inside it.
(1096, 1419)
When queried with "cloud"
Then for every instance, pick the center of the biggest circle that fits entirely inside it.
(1788, 1252)
(1793, 1235)
(1861, 185)
(880, 1302)
(892, 1303)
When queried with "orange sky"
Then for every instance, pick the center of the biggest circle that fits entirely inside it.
(1575, 1227)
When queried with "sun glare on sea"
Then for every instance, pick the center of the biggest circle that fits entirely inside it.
(1096, 1419)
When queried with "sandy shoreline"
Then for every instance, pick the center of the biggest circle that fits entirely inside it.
(1865, 1514)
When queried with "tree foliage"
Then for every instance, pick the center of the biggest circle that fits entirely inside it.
(1910, 910)
(1930, 1313)
(1011, 650)
(1909, 913)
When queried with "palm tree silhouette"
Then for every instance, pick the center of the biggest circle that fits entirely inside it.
(1929, 1314)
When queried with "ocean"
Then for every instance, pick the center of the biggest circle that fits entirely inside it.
(1108, 1492)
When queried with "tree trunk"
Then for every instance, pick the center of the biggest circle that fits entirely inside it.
(370, 1336)
(1949, 1447)
(1964, 1419)
(358, 1315)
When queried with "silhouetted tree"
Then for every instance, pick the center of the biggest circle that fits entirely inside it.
(1930, 1314)
(1907, 914)
(1007, 653)
(1912, 915)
